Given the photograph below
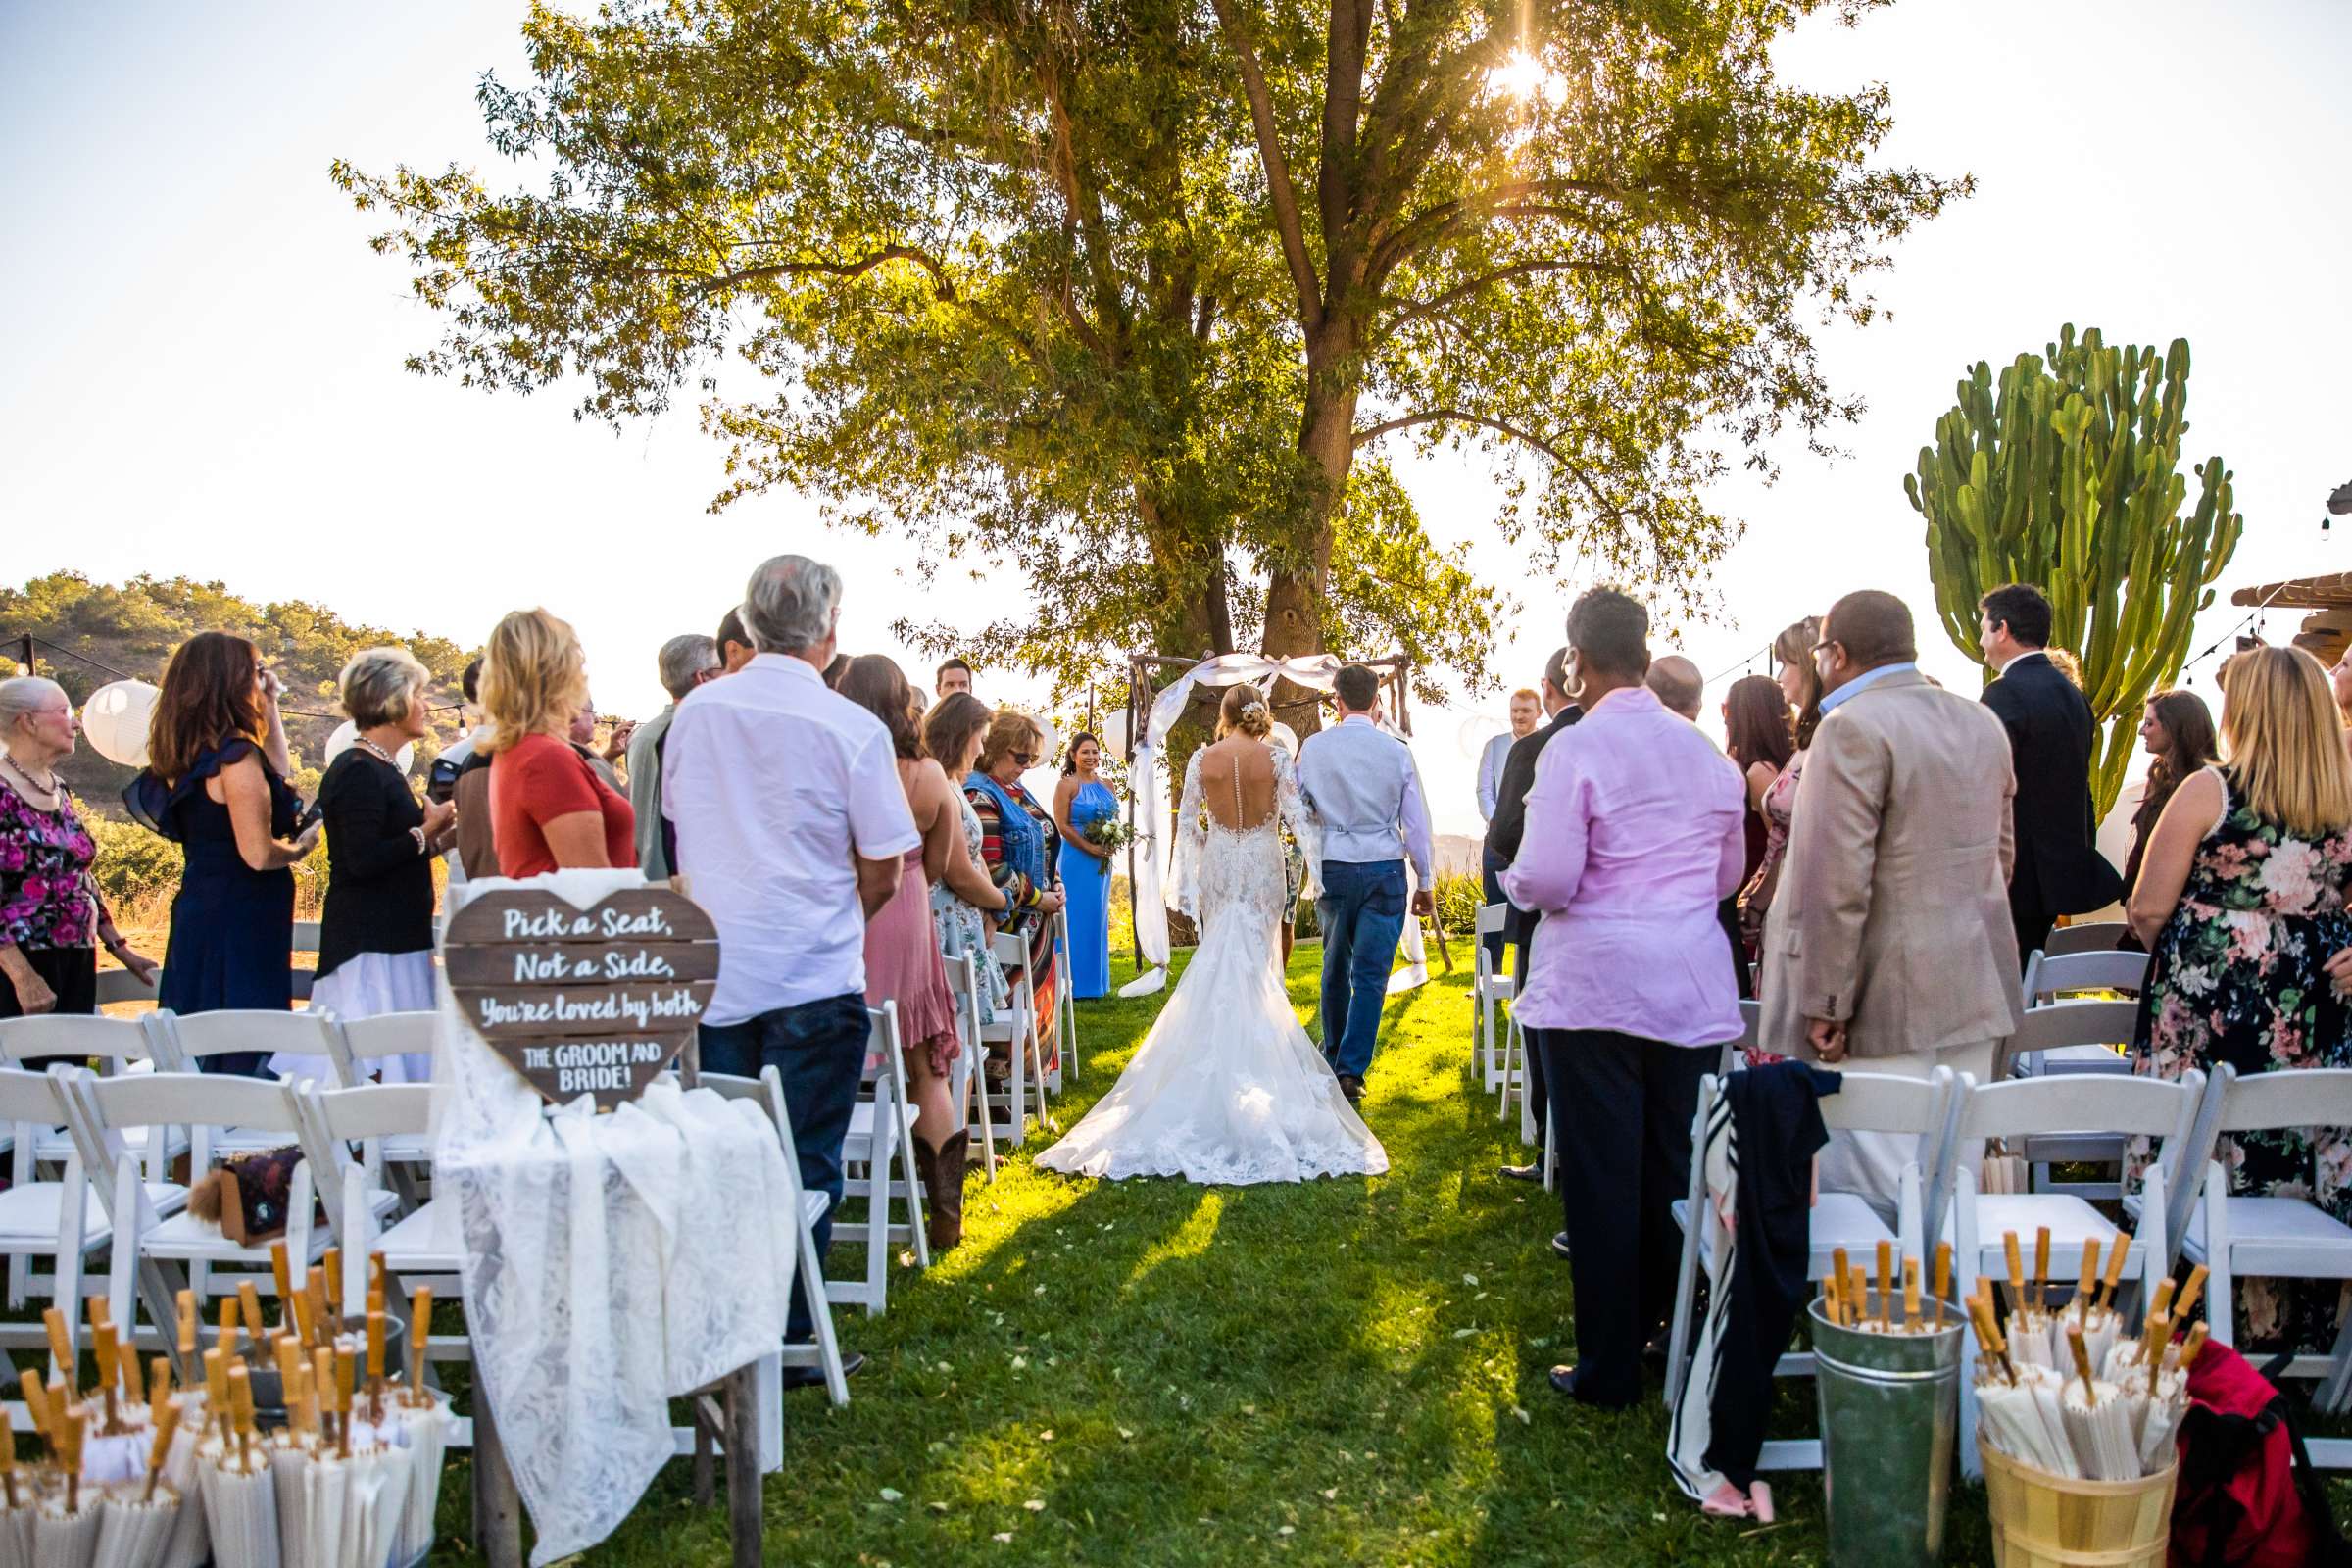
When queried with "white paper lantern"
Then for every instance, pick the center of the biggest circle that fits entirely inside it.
(1114, 731)
(115, 720)
(1474, 732)
(346, 735)
(1284, 737)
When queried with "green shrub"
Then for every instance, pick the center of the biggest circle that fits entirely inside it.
(1460, 896)
(134, 867)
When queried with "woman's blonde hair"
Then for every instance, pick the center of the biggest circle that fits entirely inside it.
(1243, 712)
(380, 685)
(1008, 732)
(534, 678)
(2286, 741)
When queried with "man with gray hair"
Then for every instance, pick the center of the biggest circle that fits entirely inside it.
(685, 661)
(791, 825)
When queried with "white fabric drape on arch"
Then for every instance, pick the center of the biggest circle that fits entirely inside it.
(1154, 849)
(612, 1263)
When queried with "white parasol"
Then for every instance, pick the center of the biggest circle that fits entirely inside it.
(2097, 1422)
(18, 1501)
(2168, 1401)
(2029, 1328)
(2009, 1401)
(240, 1496)
(190, 1542)
(65, 1531)
(136, 1524)
(424, 1419)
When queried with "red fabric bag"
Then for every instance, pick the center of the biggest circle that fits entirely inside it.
(2246, 1495)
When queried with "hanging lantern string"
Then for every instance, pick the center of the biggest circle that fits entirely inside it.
(2252, 615)
(39, 641)
(1745, 664)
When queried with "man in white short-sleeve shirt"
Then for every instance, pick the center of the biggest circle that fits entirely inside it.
(790, 822)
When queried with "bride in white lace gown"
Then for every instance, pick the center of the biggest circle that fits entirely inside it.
(1227, 1088)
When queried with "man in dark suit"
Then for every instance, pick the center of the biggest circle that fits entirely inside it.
(1504, 832)
(2059, 871)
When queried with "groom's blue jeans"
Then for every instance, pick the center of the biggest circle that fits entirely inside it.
(1362, 914)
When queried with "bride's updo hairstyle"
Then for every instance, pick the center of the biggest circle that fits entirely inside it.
(1243, 712)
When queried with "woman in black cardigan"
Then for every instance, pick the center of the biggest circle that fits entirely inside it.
(375, 940)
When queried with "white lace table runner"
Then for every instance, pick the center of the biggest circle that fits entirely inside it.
(610, 1262)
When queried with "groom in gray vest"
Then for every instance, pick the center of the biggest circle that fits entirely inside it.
(1361, 784)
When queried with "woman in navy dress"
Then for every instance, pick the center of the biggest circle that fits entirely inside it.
(218, 747)
(1081, 800)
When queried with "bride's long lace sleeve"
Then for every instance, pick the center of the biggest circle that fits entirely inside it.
(1303, 825)
(1184, 883)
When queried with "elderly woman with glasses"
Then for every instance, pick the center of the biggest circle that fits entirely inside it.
(49, 910)
(375, 935)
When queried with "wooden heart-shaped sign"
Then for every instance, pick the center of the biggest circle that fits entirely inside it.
(595, 1001)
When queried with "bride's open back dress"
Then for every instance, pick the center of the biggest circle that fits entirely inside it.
(1227, 1088)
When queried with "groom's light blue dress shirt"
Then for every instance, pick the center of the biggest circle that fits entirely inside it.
(1361, 784)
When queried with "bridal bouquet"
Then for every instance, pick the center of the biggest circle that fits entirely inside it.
(1110, 835)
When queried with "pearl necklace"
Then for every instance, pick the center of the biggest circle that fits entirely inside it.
(375, 751)
(18, 768)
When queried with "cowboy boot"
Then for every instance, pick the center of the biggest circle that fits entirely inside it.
(941, 1172)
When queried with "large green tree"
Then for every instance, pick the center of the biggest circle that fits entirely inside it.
(1139, 296)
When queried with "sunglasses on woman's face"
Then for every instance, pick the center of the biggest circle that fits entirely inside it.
(1025, 758)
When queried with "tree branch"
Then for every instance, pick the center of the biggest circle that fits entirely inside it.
(1433, 224)
(943, 287)
(1461, 416)
(1415, 309)
(1277, 167)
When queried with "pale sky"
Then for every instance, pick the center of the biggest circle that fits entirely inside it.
(203, 364)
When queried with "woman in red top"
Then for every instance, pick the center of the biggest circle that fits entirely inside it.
(548, 810)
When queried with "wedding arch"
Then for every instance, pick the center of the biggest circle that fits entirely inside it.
(1151, 714)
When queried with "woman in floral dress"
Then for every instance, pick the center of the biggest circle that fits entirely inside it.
(2241, 901)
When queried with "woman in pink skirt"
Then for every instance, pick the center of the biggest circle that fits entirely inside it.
(901, 949)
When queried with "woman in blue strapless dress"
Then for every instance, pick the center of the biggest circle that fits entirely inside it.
(1081, 801)
(217, 746)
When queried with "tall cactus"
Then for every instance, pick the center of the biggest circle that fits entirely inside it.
(2066, 475)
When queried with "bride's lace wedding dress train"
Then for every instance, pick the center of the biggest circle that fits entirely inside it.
(1227, 1088)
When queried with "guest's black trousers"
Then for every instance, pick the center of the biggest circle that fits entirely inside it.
(1623, 1109)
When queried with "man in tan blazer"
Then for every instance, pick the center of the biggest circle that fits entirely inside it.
(1890, 947)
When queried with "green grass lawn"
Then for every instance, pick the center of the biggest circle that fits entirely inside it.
(1151, 1373)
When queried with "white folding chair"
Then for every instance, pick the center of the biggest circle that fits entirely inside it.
(115, 1045)
(1489, 990)
(877, 1156)
(2132, 1107)
(422, 1249)
(2245, 1236)
(825, 1352)
(2099, 937)
(1066, 1005)
(1017, 1028)
(1878, 1103)
(2048, 975)
(185, 1040)
(2074, 1037)
(387, 1047)
(61, 1221)
(159, 1229)
(963, 985)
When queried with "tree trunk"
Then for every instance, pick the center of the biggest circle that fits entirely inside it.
(1197, 616)
(1295, 592)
